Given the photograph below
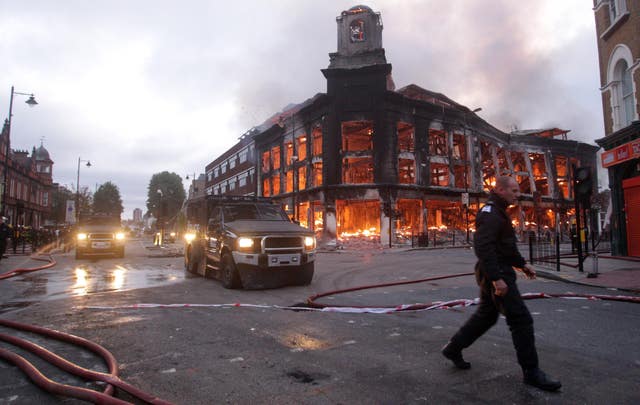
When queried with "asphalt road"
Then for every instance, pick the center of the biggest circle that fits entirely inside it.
(241, 354)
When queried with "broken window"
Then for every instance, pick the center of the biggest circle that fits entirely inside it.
(275, 157)
(406, 171)
(357, 170)
(266, 187)
(502, 162)
(301, 142)
(288, 187)
(459, 147)
(562, 173)
(266, 159)
(524, 183)
(303, 214)
(406, 142)
(357, 136)
(439, 174)
(462, 176)
(539, 169)
(288, 153)
(443, 215)
(317, 174)
(517, 159)
(275, 184)
(358, 218)
(302, 177)
(437, 142)
(488, 167)
(317, 141)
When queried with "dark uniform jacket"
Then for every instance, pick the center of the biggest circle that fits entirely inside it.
(495, 241)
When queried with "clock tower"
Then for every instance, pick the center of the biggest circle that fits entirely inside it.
(359, 39)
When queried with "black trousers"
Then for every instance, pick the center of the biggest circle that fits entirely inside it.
(518, 318)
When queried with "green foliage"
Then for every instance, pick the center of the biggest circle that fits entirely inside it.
(106, 200)
(165, 195)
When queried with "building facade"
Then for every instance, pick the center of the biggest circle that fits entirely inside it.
(618, 37)
(28, 186)
(367, 161)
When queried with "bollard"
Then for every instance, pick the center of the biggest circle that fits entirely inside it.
(594, 273)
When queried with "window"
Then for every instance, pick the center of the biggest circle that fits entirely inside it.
(266, 162)
(45, 199)
(275, 157)
(627, 95)
(437, 143)
(242, 180)
(439, 174)
(266, 187)
(276, 184)
(302, 177)
(459, 147)
(223, 168)
(539, 169)
(357, 136)
(288, 153)
(357, 170)
(301, 143)
(406, 141)
(216, 172)
(317, 141)
(406, 171)
(502, 162)
(288, 182)
(232, 162)
(232, 184)
(620, 88)
(242, 156)
(317, 174)
(488, 167)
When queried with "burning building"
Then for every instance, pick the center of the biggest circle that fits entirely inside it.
(367, 161)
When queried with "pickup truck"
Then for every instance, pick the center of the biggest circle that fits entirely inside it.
(248, 242)
(99, 235)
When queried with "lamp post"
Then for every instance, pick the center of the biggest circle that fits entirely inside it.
(31, 102)
(466, 171)
(78, 188)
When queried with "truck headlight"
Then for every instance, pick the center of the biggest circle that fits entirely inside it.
(173, 234)
(310, 242)
(81, 236)
(120, 236)
(245, 243)
(189, 237)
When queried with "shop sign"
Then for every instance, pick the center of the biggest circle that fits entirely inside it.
(621, 153)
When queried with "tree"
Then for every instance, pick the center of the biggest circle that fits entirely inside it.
(59, 197)
(165, 195)
(106, 200)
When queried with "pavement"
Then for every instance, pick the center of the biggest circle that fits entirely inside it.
(612, 272)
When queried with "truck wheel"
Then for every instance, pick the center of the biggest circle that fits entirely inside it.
(120, 253)
(230, 276)
(78, 254)
(305, 274)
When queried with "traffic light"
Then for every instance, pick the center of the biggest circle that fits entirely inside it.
(583, 184)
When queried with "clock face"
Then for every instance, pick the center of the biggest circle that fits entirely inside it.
(357, 31)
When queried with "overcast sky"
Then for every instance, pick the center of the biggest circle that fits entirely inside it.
(143, 86)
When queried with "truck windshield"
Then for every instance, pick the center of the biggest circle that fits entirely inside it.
(261, 212)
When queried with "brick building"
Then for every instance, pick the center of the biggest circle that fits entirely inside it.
(618, 37)
(367, 161)
(28, 183)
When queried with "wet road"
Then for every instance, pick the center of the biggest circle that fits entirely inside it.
(212, 354)
(143, 266)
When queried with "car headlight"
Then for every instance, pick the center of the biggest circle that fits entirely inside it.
(173, 234)
(81, 236)
(120, 236)
(189, 237)
(310, 242)
(245, 243)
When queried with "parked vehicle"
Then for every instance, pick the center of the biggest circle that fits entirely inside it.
(248, 242)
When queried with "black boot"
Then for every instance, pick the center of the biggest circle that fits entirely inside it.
(454, 354)
(539, 379)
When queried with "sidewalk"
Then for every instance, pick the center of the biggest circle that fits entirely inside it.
(622, 273)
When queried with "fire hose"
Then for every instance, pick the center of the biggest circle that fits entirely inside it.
(111, 378)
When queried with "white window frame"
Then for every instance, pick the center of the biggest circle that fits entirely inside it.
(614, 86)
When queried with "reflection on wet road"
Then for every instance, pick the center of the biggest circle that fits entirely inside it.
(74, 278)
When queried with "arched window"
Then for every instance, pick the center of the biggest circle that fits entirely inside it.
(620, 84)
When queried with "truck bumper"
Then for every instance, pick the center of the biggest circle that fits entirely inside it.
(259, 271)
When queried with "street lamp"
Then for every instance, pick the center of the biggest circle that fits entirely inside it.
(31, 102)
(78, 188)
(466, 171)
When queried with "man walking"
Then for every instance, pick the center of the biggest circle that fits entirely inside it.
(4, 234)
(495, 247)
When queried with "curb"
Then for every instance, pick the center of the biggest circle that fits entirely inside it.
(552, 276)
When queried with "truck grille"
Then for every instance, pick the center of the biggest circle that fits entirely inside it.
(101, 236)
(282, 244)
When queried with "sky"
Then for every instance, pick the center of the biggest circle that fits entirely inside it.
(142, 86)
